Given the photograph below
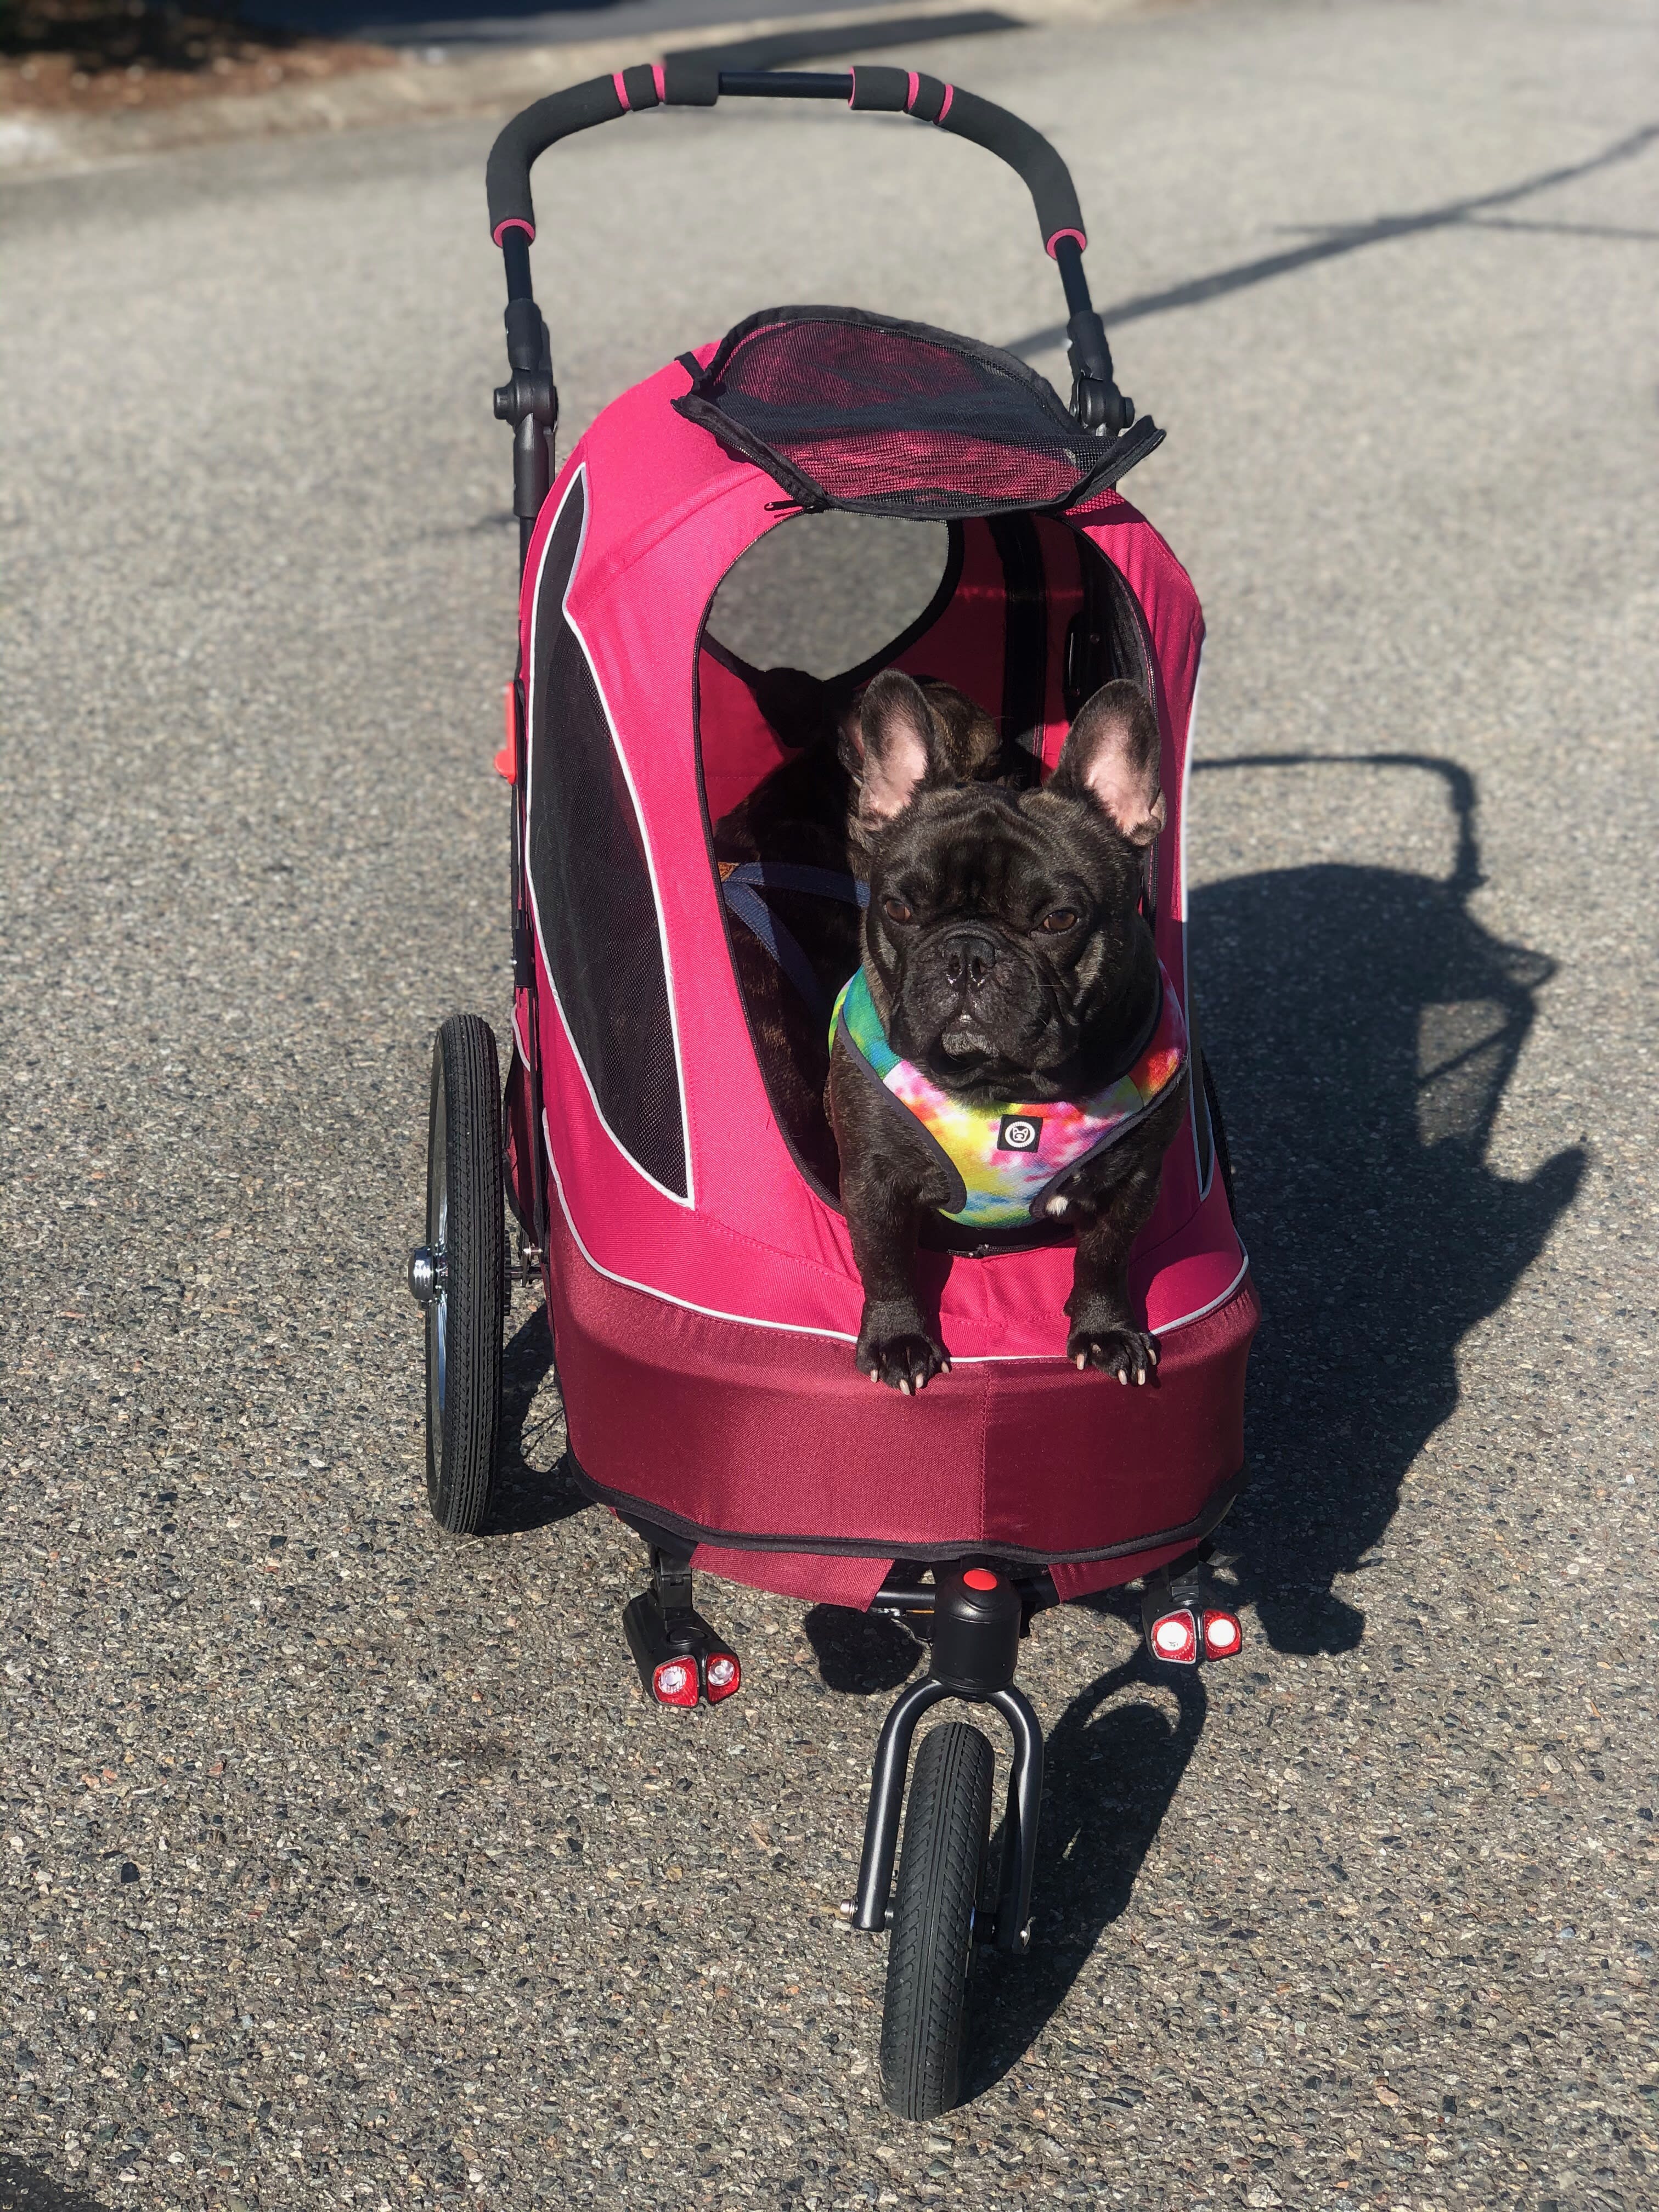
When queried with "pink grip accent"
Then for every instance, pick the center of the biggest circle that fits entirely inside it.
(1082, 241)
(656, 79)
(949, 95)
(514, 223)
(622, 91)
(910, 96)
(853, 96)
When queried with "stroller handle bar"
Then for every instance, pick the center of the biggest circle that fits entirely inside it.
(694, 81)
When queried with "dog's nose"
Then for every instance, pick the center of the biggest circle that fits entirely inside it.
(970, 956)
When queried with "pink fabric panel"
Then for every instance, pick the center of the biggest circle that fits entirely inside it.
(964, 646)
(739, 746)
(1062, 573)
(668, 511)
(814, 1577)
(1173, 630)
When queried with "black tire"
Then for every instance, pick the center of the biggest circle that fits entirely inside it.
(947, 1825)
(466, 1224)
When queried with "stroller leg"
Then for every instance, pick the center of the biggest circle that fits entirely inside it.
(1013, 1923)
(881, 1826)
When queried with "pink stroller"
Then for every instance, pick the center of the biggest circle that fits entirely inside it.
(699, 1278)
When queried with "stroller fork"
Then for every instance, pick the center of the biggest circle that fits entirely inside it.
(977, 1616)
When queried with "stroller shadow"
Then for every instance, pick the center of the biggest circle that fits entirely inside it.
(26, 2188)
(860, 1653)
(528, 1495)
(1362, 1026)
(1111, 1770)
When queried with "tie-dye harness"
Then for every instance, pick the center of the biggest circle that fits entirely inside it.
(1005, 1159)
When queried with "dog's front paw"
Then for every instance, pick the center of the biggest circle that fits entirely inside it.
(1130, 1354)
(907, 1360)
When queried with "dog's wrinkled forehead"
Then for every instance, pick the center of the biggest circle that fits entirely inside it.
(985, 850)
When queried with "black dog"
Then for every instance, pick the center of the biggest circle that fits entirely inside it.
(808, 811)
(1004, 957)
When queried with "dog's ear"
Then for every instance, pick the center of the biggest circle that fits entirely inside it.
(898, 741)
(1110, 756)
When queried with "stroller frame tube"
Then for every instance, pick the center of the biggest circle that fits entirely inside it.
(696, 81)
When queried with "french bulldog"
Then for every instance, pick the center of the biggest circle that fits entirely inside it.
(1004, 957)
(808, 811)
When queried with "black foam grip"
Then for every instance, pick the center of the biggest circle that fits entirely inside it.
(1046, 177)
(884, 90)
(881, 90)
(640, 84)
(507, 178)
(691, 80)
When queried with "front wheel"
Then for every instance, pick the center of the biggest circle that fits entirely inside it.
(947, 1826)
(463, 1273)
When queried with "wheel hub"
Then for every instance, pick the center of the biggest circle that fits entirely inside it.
(429, 1274)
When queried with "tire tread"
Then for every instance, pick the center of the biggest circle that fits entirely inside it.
(946, 1823)
(460, 1483)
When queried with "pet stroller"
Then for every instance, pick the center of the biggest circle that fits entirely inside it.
(698, 1275)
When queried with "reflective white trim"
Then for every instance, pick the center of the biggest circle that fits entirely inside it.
(687, 1197)
(839, 1335)
(1204, 1180)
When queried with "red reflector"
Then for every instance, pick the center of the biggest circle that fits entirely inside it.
(1175, 1636)
(980, 1578)
(505, 761)
(721, 1676)
(675, 1682)
(1223, 1635)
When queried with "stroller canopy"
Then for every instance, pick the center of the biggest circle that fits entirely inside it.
(670, 1178)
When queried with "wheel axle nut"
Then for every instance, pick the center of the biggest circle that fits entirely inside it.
(425, 1276)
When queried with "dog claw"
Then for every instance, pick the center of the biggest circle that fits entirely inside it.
(906, 1362)
(1130, 1355)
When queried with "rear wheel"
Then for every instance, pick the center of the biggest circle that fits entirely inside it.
(467, 1252)
(947, 1825)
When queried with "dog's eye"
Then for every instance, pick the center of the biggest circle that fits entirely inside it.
(1062, 919)
(895, 910)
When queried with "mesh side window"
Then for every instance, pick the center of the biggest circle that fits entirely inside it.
(592, 886)
(852, 409)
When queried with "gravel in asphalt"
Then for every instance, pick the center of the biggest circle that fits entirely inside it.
(344, 1864)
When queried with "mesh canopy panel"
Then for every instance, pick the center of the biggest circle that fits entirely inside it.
(592, 888)
(852, 409)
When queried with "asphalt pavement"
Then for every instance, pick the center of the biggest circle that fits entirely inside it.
(344, 1863)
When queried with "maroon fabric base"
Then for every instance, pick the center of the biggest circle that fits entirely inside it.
(814, 1577)
(748, 1436)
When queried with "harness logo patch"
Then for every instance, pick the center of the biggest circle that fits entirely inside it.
(1018, 1133)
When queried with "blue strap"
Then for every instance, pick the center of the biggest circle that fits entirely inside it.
(784, 946)
(742, 887)
(788, 876)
